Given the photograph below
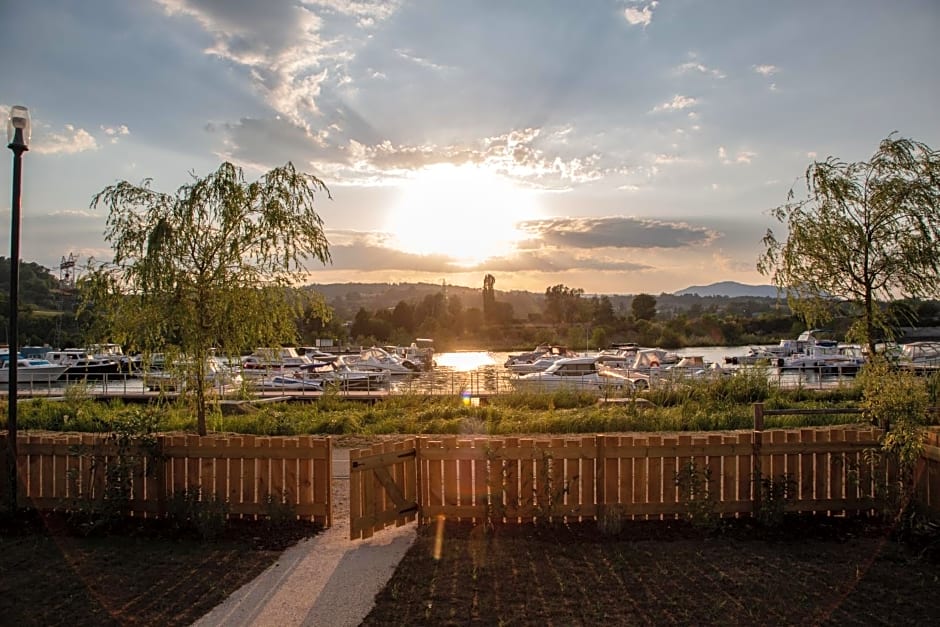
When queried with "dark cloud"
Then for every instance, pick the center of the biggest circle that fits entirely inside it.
(360, 251)
(616, 232)
(368, 252)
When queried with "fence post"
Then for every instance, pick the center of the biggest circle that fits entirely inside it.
(755, 454)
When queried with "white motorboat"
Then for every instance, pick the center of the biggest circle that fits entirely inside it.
(219, 375)
(775, 354)
(287, 383)
(338, 374)
(920, 356)
(264, 360)
(30, 370)
(420, 353)
(651, 358)
(824, 357)
(574, 373)
(316, 354)
(83, 364)
(379, 359)
(539, 365)
(522, 361)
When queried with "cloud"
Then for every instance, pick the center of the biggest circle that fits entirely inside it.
(615, 232)
(523, 155)
(766, 70)
(558, 245)
(370, 251)
(699, 67)
(282, 45)
(676, 104)
(70, 141)
(743, 156)
(664, 159)
(114, 132)
(409, 56)
(555, 260)
(640, 16)
(723, 262)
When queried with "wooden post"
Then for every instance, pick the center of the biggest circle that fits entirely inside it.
(756, 452)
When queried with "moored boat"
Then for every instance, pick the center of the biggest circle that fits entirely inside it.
(30, 370)
(287, 383)
(573, 373)
(83, 365)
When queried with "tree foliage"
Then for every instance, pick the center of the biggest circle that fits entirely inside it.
(209, 267)
(865, 234)
(643, 307)
(564, 304)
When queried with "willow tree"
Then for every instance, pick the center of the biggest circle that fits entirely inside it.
(866, 234)
(209, 268)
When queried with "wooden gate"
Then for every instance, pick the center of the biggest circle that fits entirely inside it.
(383, 486)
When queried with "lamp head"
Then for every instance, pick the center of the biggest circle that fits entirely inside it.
(18, 129)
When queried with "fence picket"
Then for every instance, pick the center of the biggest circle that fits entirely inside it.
(821, 489)
(807, 460)
(588, 481)
(480, 477)
(836, 470)
(573, 479)
(640, 476)
(656, 488)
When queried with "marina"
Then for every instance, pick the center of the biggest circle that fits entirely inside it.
(474, 374)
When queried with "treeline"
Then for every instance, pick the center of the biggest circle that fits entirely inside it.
(593, 322)
(571, 319)
(567, 316)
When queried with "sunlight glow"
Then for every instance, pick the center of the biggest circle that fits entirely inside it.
(464, 212)
(464, 361)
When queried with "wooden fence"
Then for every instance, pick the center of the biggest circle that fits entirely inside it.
(927, 475)
(644, 476)
(253, 476)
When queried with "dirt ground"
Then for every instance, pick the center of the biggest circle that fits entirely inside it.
(659, 573)
(154, 575)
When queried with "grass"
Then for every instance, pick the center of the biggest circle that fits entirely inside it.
(723, 404)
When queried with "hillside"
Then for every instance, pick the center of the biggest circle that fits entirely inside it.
(731, 289)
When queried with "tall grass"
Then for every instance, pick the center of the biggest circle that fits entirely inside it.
(721, 404)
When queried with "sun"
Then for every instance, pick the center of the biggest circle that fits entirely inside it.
(464, 212)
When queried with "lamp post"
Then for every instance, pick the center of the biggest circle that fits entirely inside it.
(18, 138)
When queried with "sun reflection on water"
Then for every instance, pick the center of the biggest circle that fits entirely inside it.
(465, 361)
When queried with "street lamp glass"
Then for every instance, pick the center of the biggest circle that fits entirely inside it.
(18, 120)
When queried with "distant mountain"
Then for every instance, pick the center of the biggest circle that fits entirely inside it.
(731, 289)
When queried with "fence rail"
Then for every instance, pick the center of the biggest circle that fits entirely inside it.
(253, 475)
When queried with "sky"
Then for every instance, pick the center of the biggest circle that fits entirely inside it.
(613, 146)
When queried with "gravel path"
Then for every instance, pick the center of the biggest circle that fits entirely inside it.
(324, 580)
